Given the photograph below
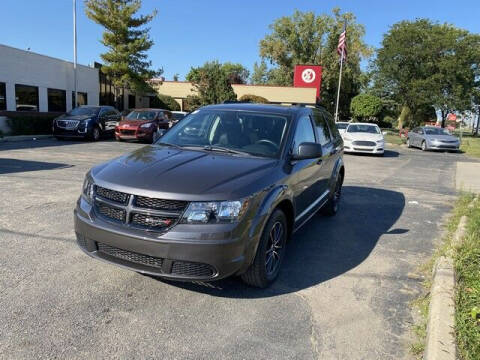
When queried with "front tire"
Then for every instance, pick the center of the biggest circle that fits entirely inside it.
(408, 143)
(331, 207)
(424, 146)
(270, 252)
(96, 134)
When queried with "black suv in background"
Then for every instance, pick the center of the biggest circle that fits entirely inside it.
(91, 122)
(218, 195)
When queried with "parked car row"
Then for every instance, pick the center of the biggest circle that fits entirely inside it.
(95, 122)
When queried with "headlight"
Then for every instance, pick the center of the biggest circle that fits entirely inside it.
(88, 188)
(380, 141)
(215, 212)
(147, 125)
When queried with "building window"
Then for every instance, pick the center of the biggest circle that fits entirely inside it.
(3, 97)
(57, 100)
(26, 97)
(131, 101)
(82, 99)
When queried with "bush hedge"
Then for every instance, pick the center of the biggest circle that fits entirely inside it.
(30, 123)
(253, 99)
(164, 102)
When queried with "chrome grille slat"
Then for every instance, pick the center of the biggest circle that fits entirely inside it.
(363, 143)
(150, 214)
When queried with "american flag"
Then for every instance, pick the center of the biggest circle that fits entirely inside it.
(342, 44)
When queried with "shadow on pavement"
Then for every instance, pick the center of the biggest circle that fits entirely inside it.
(387, 153)
(8, 166)
(325, 247)
(41, 143)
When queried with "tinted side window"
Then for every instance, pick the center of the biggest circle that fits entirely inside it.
(331, 124)
(303, 132)
(323, 134)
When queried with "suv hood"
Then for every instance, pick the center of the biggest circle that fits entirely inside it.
(169, 173)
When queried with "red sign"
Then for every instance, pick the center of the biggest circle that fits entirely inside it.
(309, 76)
(451, 117)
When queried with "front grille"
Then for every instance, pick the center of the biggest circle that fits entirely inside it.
(144, 212)
(364, 143)
(113, 195)
(111, 212)
(184, 268)
(68, 124)
(130, 256)
(152, 221)
(127, 132)
(160, 204)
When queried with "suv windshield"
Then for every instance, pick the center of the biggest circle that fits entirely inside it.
(84, 110)
(254, 133)
(370, 129)
(436, 131)
(141, 115)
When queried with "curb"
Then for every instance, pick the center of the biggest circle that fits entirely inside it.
(24, 138)
(440, 342)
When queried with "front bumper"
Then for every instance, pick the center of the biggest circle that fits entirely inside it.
(443, 146)
(182, 253)
(348, 147)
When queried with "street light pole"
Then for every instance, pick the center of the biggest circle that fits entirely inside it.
(74, 53)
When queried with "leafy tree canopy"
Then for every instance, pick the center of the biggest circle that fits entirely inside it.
(237, 73)
(422, 64)
(126, 40)
(253, 99)
(366, 107)
(306, 38)
(212, 83)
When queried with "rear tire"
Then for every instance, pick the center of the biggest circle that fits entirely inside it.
(270, 252)
(331, 207)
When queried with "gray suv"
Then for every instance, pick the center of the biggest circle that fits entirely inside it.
(219, 194)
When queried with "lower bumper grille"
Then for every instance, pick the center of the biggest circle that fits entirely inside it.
(127, 132)
(190, 269)
(358, 149)
(130, 256)
(364, 143)
(178, 268)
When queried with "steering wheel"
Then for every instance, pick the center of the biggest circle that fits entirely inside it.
(267, 142)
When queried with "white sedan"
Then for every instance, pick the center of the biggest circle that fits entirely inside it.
(363, 138)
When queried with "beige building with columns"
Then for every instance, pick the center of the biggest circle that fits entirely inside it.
(179, 90)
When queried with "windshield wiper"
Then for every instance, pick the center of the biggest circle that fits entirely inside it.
(224, 149)
(168, 144)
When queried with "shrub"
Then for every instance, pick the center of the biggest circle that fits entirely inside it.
(192, 102)
(30, 123)
(365, 107)
(164, 102)
(253, 99)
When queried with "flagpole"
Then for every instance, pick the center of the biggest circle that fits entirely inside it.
(75, 53)
(339, 85)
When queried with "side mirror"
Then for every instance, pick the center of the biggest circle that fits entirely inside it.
(308, 150)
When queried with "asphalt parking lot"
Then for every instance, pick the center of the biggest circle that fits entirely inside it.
(343, 292)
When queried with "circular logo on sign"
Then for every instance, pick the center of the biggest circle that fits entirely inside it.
(308, 75)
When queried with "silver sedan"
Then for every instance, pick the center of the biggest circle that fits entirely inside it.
(432, 138)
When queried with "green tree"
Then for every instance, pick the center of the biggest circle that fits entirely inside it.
(176, 76)
(126, 40)
(366, 107)
(237, 73)
(212, 83)
(305, 38)
(260, 73)
(423, 64)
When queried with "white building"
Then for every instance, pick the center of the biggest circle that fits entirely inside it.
(34, 82)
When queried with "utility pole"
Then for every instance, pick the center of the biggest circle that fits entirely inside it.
(339, 85)
(75, 53)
